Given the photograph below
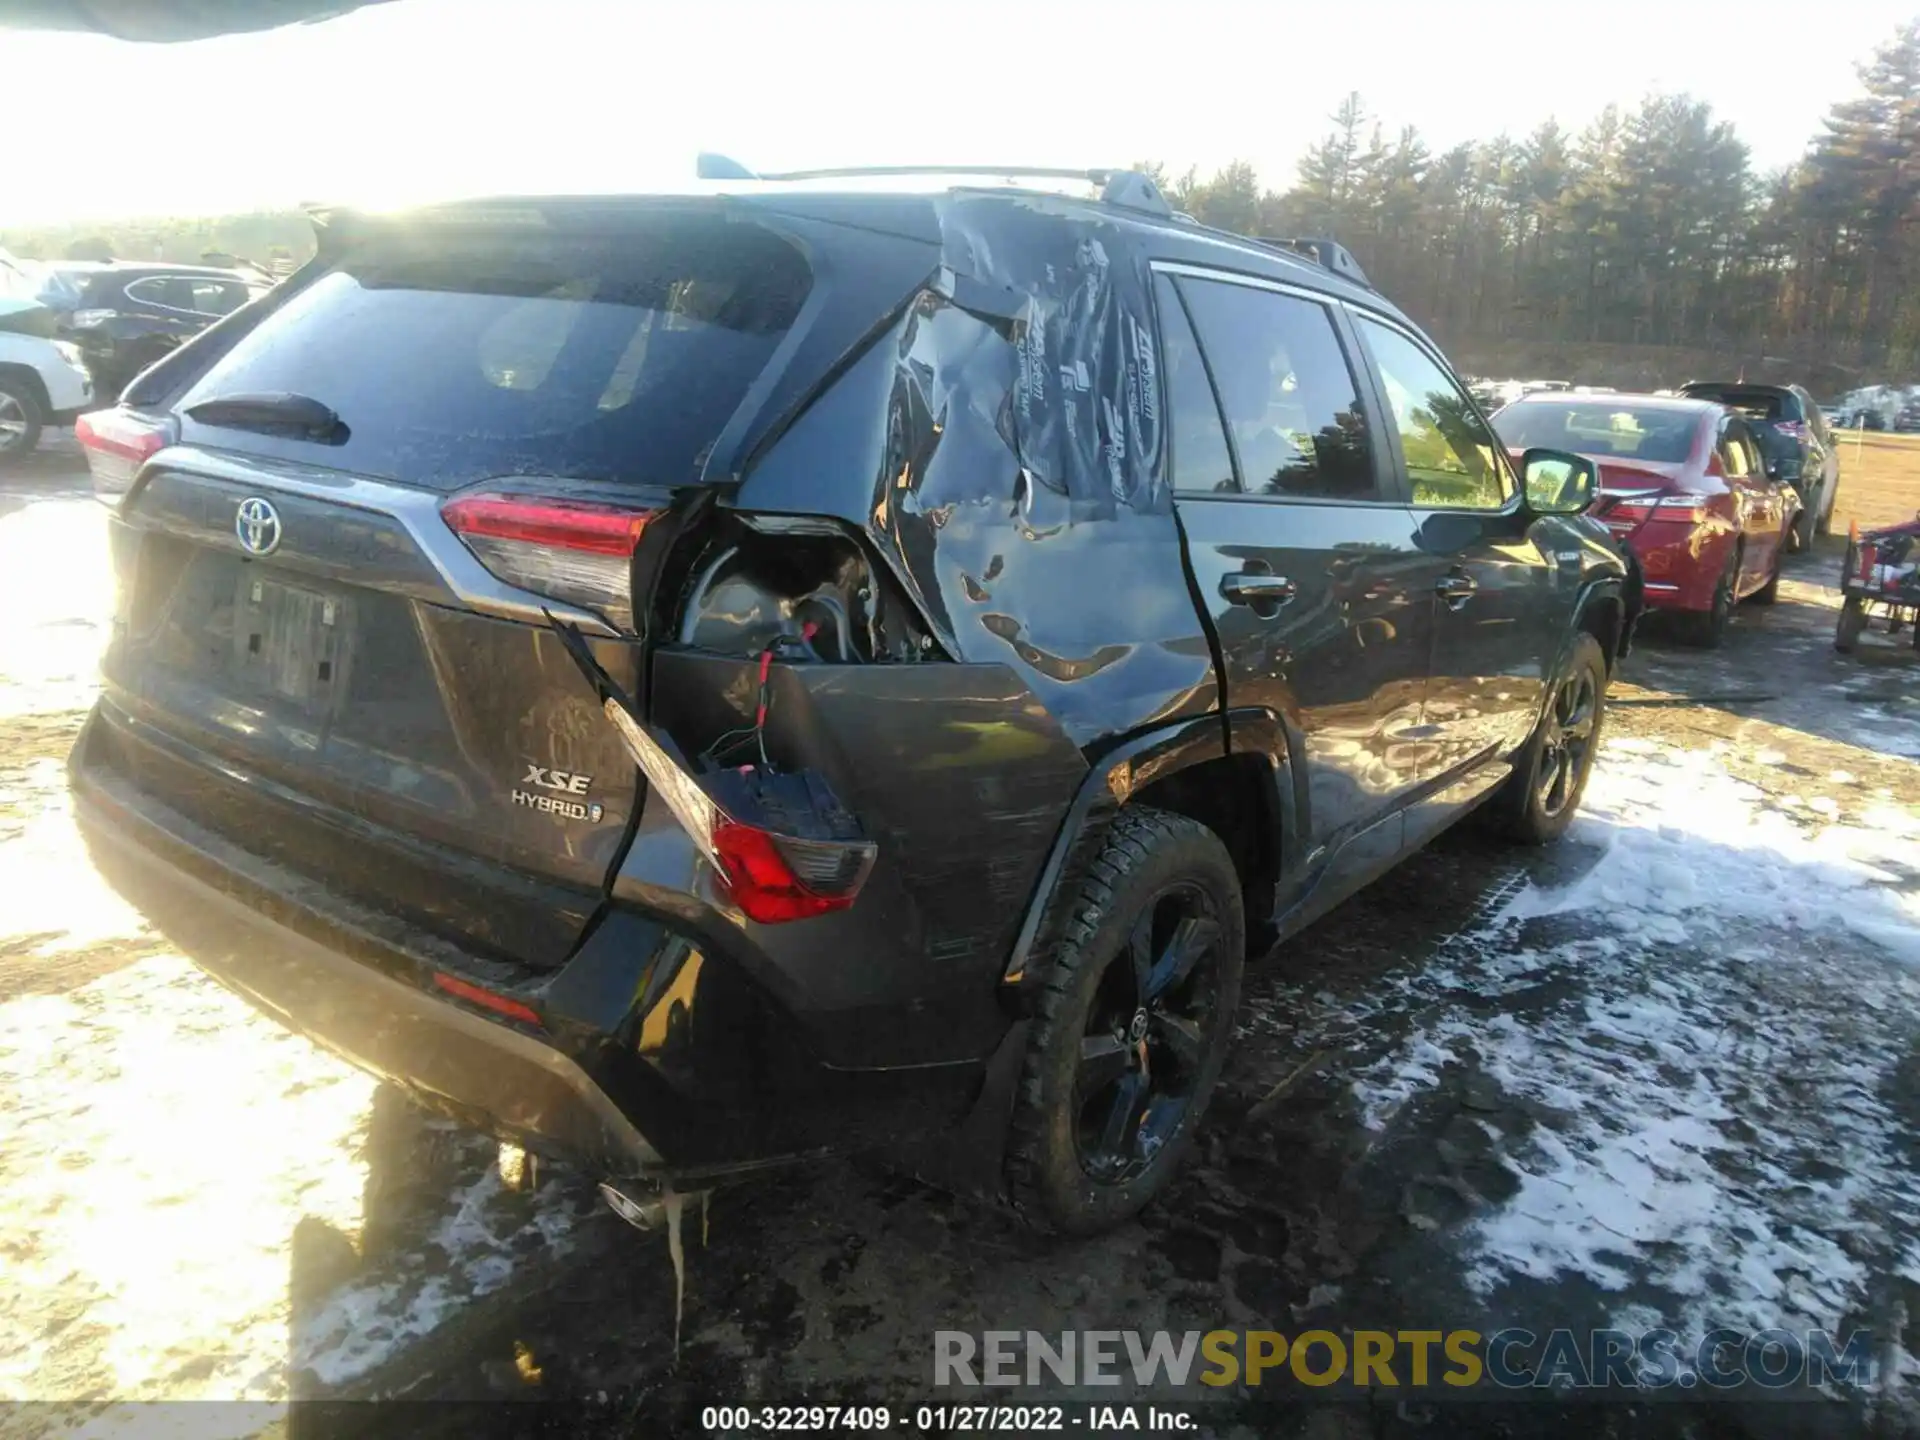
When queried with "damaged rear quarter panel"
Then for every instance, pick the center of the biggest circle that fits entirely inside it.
(1005, 461)
(960, 777)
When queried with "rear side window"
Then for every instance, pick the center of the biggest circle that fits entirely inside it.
(193, 294)
(1291, 404)
(457, 355)
(1201, 460)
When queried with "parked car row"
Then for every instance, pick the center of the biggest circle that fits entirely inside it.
(73, 334)
(43, 379)
(1684, 485)
(1795, 441)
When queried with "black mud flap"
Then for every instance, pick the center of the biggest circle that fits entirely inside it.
(1633, 600)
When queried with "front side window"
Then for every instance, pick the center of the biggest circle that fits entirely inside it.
(1291, 405)
(1449, 451)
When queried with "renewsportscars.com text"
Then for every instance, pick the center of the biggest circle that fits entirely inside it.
(1442, 1360)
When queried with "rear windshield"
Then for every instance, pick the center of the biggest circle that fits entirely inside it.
(1754, 404)
(1629, 432)
(453, 355)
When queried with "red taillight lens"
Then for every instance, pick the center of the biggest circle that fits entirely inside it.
(573, 550)
(485, 999)
(1790, 427)
(1689, 508)
(118, 443)
(1684, 507)
(776, 878)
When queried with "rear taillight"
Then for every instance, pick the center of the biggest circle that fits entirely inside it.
(573, 550)
(118, 443)
(775, 878)
(1686, 508)
(773, 875)
(1797, 429)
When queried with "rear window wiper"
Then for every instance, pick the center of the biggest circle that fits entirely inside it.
(276, 412)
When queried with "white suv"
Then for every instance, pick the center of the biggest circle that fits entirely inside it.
(42, 381)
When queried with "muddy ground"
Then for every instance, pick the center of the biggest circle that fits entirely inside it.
(1666, 1074)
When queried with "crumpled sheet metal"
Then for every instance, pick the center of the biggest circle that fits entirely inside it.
(1085, 413)
(1016, 486)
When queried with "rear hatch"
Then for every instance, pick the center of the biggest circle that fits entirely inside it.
(331, 646)
(1775, 417)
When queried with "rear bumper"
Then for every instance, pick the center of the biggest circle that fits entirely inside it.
(665, 1049)
(495, 1075)
(1681, 563)
(69, 390)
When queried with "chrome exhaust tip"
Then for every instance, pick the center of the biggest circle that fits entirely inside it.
(643, 1213)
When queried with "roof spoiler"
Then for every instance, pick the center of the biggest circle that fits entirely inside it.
(1127, 189)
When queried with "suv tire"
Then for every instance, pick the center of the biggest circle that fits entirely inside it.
(20, 420)
(1538, 802)
(1131, 1026)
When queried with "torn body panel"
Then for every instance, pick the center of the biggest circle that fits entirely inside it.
(957, 774)
(1006, 471)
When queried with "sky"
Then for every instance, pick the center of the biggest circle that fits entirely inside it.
(421, 99)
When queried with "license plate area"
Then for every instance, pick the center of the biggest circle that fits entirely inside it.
(291, 642)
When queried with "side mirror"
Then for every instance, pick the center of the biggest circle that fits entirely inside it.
(1558, 483)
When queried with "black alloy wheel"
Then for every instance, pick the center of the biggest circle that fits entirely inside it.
(1143, 1053)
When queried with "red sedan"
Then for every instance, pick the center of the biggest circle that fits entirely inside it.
(1683, 485)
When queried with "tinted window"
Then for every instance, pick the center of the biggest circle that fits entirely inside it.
(218, 297)
(453, 356)
(1754, 404)
(1628, 432)
(1200, 457)
(1291, 405)
(1449, 451)
(195, 294)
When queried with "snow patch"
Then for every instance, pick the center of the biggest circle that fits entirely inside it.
(1700, 1115)
(1682, 838)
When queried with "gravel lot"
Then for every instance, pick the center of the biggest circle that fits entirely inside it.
(1664, 1074)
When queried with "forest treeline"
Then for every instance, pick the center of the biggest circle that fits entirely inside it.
(1649, 227)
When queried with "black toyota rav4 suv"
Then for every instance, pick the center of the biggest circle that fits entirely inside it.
(695, 682)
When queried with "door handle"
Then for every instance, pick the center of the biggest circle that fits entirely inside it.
(1455, 589)
(1257, 587)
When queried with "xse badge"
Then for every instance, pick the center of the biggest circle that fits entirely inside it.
(564, 781)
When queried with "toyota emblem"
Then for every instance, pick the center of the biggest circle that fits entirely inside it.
(257, 526)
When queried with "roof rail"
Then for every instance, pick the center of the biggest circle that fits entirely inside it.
(1329, 254)
(1128, 189)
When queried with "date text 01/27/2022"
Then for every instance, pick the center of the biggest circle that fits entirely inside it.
(939, 1419)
